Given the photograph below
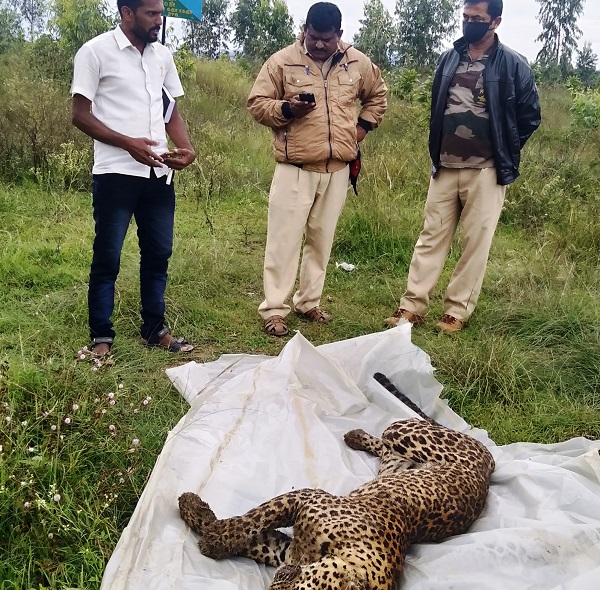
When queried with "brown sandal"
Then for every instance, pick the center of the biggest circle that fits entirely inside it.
(316, 315)
(275, 326)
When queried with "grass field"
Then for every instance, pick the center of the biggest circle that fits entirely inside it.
(77, 445)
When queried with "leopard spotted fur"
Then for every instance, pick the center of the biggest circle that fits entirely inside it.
(432, 483)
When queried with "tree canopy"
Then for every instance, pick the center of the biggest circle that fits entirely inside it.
(559, 30)
(261, 27)
(376, 35)
(210, 36)
(422, 28)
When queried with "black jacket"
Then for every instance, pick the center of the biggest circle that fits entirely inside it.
(512, 102)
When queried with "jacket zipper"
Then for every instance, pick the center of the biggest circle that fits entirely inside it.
(326, 87)
(328, 121)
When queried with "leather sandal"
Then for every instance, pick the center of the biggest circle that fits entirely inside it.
(165, 340)
(315, 315)
(275, 326)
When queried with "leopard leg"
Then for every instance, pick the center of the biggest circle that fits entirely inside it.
(242, 535)
(195, 512)
(390, 461)
(359, 440)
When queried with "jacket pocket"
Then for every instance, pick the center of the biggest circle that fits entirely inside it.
(348, 84)
(295, 81)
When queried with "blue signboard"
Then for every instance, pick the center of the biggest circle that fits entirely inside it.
(189, 9)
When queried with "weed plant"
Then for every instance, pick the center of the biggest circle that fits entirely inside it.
(77, 443)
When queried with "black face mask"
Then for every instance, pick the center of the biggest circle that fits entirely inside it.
(474, 32)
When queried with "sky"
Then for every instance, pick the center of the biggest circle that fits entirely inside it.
(518, 29)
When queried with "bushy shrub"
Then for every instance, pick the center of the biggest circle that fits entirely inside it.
(34, 123)
(407, 84)
(69, 168)
(586, 109)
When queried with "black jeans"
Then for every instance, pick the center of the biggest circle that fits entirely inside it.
(116, 198)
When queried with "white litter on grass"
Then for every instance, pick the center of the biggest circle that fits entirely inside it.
(345, 266)
(261, 426)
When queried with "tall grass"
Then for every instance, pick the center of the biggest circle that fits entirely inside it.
(72, 463)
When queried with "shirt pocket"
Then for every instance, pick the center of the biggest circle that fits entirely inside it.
(296, 81)
(154, 72)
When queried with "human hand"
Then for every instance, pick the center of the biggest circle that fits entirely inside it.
(139, 149)
(360, 133)
(301, 108)
(178, 158)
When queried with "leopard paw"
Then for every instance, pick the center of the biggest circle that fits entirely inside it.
(355, 439)
(195, 512)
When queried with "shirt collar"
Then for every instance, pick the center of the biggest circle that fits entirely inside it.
(123, 41)
(121, 37)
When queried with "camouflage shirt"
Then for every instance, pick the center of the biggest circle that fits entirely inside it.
(466, 136)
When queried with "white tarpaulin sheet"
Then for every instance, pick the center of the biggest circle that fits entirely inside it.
(262, 426)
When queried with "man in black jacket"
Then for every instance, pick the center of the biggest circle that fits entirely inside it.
(484, 108)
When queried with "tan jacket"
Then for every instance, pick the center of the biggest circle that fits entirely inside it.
(325, 139)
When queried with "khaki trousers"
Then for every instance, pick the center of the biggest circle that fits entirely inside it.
(473, 197)
(301, 204)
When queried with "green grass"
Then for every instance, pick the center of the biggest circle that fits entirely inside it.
(525, 368)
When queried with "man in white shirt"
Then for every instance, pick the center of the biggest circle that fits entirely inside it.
(117, 100)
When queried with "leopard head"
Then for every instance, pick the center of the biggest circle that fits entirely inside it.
(329, 573)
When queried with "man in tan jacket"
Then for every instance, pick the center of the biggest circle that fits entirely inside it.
(306, 93)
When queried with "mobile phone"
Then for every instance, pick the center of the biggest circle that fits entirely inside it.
(307, 96)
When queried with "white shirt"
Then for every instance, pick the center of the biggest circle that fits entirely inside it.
(125, 87)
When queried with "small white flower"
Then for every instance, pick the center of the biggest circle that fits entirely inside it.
(111, 395)
(112, 402)
(27, 505)
(24, 423)
(135, 442)
(80, 352)
(8, 418)
(103, 411)
(121, 480)
(85, 348)
(75, 407)
(112, 427)
(145, 402)
(94, 369)
(31, 450)
(53, 427)
(136, 411)
(62, 437)
(82, 356)
(51, 535)
(56, 497)
(67, 420)
(97, 400)
(120, 386)
(149, 398)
